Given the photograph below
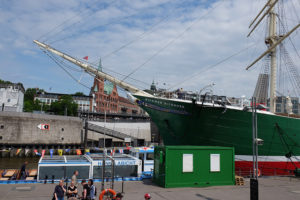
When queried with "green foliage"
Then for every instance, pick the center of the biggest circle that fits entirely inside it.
(5, 82)
(30, 93)
(79, 94)
(29, 103)
(65, 104)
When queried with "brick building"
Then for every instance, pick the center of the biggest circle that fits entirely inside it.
(126, 107)
(105, 95)
(106, 98)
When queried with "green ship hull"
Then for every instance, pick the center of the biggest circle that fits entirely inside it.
(190, 123)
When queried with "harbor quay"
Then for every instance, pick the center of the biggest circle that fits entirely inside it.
(269, 188)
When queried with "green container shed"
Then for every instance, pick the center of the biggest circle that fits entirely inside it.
(193, 166)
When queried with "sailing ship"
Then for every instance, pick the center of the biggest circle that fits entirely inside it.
(215, 123)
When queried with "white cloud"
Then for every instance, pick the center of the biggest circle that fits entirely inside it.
(101, 28)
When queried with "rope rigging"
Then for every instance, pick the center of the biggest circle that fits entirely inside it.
(173, 40)
(79, 13)
(114, 21)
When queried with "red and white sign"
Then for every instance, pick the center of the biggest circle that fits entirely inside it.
(44, 126)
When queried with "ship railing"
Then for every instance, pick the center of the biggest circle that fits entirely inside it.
(264, 171)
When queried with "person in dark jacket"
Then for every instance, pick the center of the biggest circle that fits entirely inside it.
(85, 190)
(59, 191)
(23, 172)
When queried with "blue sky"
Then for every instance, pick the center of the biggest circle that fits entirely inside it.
(134, 30)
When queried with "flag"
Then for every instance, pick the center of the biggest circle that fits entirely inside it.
(60, 152)
(43, 152)
(18, 151)
(112, 153)
(86, 57)
(51, 152)
(67, 150)
(36, 152)
(87, 151)
(78, 152)
(26, 151)
(121, 151)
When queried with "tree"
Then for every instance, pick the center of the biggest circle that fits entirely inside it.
(79, 94)
(65, 105)
(29, 103)
(5, 82)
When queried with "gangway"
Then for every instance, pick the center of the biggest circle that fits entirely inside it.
(109, 132)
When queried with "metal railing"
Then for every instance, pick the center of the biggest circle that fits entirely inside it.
(264, 171)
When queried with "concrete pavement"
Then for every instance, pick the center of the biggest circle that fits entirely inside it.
(269, 188)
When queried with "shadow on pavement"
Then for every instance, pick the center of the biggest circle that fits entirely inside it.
(205, 197)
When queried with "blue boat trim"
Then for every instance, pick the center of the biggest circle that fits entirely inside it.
(49, 181)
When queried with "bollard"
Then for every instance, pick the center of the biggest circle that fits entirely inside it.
(66, 181)
(122, 185)
(52, 179)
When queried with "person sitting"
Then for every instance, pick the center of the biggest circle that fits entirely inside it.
(72, 191)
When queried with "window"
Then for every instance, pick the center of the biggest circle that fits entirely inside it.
(187, 163)
(214, 162)
(141, 156)
(150, 156)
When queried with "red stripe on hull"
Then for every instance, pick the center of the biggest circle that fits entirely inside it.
(245, 168)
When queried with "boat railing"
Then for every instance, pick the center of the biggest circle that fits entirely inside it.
(263, 171)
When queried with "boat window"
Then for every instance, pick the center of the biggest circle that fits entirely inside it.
(120, 171)
(141, 156)
(150, 156)
(48, 171)
(60, 172)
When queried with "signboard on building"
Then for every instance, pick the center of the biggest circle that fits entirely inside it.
(44, 126)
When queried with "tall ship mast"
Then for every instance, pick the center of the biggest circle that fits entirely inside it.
(272, 41)
(207, 120)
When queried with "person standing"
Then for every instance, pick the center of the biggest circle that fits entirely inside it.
(85, 189)
(93, 193)
(74, 178)
(72, 191)
(60, 190)
(23, 172)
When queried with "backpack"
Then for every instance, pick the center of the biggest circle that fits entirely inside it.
(95, 190)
